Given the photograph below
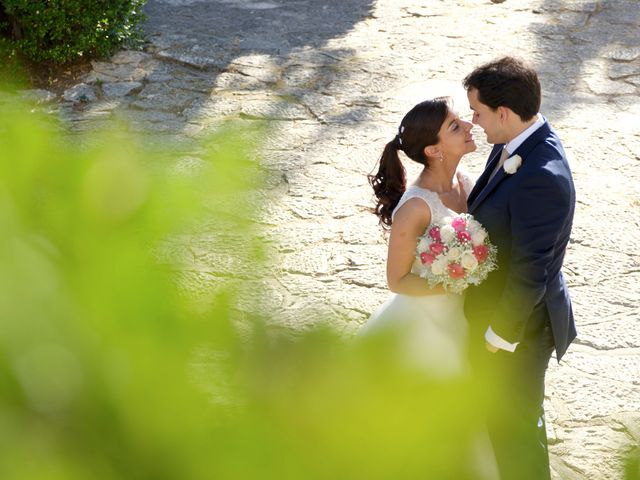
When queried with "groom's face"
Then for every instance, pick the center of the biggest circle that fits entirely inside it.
(486, 118)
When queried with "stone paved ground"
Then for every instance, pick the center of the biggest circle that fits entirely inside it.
(335, 78)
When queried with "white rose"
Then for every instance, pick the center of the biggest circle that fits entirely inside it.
(478, 238)
(423, 245)
(447, 233)
(438, 266)
(454, 254)
(473, 226)
(469, 261)
(512, 164)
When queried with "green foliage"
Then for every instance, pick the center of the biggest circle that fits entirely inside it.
(96, 340)
(632, 467)
(110, 370)
(11, 69)
(62, 31)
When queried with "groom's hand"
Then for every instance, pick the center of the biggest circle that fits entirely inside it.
(490, 347)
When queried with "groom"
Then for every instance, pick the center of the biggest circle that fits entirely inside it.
(525, 199)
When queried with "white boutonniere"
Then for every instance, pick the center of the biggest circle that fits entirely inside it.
(512, 164)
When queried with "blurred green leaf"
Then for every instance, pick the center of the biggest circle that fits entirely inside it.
(110, 369)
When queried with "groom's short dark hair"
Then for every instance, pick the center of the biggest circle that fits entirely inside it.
(507, 82)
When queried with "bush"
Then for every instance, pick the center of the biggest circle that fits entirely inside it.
(112, 368)
(11, 71)
(102, 386)
(62, 31)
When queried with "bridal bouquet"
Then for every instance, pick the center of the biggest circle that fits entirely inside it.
(455, 253)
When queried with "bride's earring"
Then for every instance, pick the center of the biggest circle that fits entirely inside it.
(441, 157)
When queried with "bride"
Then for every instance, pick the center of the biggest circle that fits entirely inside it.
(429, 322)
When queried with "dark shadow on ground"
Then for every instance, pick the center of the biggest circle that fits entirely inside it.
(571, 35)
(228, 48)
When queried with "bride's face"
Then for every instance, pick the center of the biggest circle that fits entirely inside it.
(455, 137)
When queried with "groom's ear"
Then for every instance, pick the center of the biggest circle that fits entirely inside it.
(503, 113)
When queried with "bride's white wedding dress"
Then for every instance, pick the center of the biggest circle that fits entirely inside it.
(432, 329)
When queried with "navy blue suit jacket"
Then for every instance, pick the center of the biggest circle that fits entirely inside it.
(528, 216)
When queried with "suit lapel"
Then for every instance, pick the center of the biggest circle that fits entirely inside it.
(482, 189)
(494, 156)
(497, 178)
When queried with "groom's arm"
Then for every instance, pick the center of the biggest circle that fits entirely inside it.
(538, 209)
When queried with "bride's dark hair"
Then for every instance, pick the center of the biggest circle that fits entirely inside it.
(419, 129)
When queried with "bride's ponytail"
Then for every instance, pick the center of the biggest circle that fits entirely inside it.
(419, 128)
(389, 183)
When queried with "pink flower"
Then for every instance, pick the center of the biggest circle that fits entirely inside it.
(427, 258)
(464, 237)
(481, 252)
(436, 248)
(435, 234)
(459, 224)
(455, 270)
